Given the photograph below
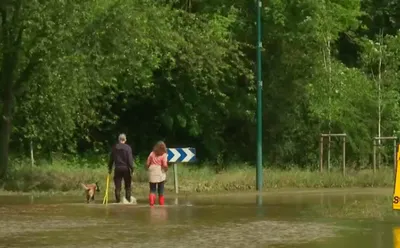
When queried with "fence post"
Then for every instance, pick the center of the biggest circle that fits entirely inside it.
(32, 159)
(374, 158)
(344, 155)
(321, 153)
(394, 156)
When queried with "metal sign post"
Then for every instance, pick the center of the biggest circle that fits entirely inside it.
(180, 155)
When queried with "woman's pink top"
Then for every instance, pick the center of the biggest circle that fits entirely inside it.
(153, 159)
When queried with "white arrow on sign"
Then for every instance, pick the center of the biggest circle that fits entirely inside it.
(176, 155)
(189, 154)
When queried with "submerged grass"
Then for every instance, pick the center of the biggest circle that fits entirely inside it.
(63, 176)
(377, 208)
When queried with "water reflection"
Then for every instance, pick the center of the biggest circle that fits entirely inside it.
(260, 209)
(259, 200)
(158, 215)
(284, 219)
(107, 212)
(396, 237)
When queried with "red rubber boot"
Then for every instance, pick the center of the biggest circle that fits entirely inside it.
(161, 200)
(152, 199)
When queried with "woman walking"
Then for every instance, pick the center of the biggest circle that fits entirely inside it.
(157, 166)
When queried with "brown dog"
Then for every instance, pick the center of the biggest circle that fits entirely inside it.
(90, 190)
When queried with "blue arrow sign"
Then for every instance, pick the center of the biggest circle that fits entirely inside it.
(182, 155)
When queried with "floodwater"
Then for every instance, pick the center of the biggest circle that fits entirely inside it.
(277, 219)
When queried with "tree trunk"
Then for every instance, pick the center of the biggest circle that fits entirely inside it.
(11, 35)
(5, 129)
(7, 79)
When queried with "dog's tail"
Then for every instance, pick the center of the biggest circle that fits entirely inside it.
(84, 186)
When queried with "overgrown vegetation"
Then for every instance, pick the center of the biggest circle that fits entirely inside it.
(74, 74)
(378, 208)
(62, 176)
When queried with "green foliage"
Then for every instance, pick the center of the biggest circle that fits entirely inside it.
(182, 71)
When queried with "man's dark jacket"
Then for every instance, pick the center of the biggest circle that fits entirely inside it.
(121, 157)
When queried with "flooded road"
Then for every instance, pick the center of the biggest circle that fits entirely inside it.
(298, 218)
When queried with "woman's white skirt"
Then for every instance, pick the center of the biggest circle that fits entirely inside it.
(156, 174)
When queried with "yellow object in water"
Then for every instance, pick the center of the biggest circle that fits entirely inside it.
(396, 237)
(105, 199)
(396, 193)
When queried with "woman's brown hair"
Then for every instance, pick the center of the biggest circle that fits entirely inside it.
(160, 148)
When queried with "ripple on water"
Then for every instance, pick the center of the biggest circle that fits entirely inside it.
(249, 235)
(31, 224)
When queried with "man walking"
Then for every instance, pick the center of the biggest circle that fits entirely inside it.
(122, 159)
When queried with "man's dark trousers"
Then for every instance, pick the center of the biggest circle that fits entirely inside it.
(122, 172)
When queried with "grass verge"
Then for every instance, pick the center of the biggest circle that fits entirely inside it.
(63, 177)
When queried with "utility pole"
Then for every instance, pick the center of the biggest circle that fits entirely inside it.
(259, 170)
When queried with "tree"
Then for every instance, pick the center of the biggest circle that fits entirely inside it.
(37, 53)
